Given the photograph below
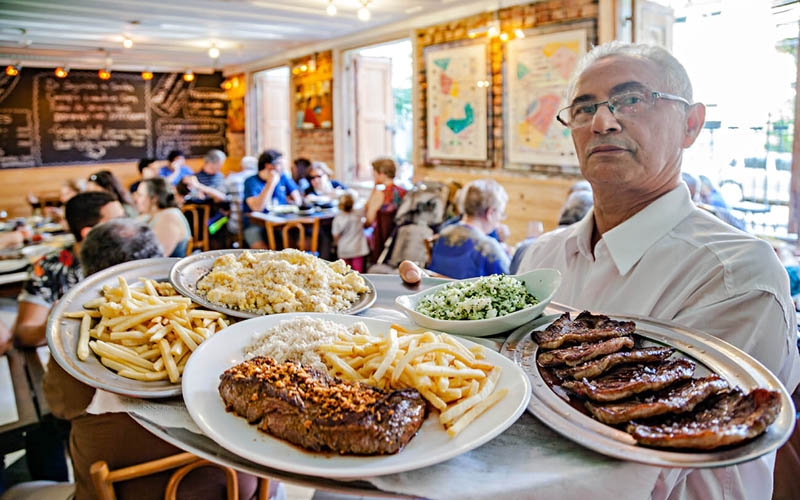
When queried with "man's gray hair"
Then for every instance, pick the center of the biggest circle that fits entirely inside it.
(675, 78)
(116, 241)
(214, 156)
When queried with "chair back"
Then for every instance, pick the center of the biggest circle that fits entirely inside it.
(294, 234)
(104, 479)
(198, 216)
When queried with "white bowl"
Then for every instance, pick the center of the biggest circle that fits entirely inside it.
(541, 283)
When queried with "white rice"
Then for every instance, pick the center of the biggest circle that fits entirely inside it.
(299, 339)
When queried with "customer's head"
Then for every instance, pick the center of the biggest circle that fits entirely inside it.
(147, 168)
(104, 180)
(385, 166)
(269, 159)
(213, 160)
(576, 206)
(176, 155)
(117, 241)
(484, 198)
(300, 169)
(249, 164)
(153, 195)
(347, 201)
(630, 117)
(85, 210)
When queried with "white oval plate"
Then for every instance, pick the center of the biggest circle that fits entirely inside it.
(541, 283)
(186, 272)
(431, 444)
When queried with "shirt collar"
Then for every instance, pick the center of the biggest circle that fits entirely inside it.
(628, 242)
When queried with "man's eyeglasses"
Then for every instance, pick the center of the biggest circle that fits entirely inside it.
(312, 177)
(626, 104)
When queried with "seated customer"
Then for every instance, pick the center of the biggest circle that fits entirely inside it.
(104, 180)
(321, 187)
(465, 249)
(115, 437)
(208, 184)
(147, 170)
(176, 168)
(267, 188)
(382, 204)
(155, 201)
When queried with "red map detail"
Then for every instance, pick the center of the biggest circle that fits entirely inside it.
(446, 83)
(545, 112)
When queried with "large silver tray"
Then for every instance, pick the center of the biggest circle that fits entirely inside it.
(711, 355)
(187, 272)
(62, 333)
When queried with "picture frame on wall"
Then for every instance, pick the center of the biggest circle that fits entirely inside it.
(538, 70)
(457, 101)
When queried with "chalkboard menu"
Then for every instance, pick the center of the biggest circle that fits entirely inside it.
(45, 120)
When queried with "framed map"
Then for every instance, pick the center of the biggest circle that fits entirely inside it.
(537, 74)
(457, 108)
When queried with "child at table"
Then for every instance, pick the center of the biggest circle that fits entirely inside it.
(348, 233)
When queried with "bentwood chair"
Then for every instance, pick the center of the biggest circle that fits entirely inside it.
(293, 234)
(184, 463)
(198, 216)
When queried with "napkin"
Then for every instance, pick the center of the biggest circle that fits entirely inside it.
(166, 412)
(536, 463)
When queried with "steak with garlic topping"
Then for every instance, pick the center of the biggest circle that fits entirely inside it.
(318, 412)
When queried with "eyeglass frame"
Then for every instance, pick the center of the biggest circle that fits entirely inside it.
(653, 93)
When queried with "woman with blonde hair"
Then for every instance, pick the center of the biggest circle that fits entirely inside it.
(465, 249)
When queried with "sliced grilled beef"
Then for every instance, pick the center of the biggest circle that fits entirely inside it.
(319, 412)
(630, 380)
(586, 327)
(596, 367)
(729, 419)
(678, 399)
(575, 355)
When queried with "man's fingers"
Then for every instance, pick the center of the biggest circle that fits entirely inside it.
(410, 272)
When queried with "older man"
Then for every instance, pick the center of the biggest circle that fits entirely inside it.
(208, 183)
(645, 249)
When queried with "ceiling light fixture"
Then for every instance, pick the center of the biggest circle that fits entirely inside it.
(213, 52)
(12, 69)
(147, 75)
(188, 76)
(363, 12)
(331, 9)
(127, 42)
(104, 74)
(518, 33)
(62, 72)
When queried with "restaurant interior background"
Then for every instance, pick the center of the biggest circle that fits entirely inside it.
(353, 90)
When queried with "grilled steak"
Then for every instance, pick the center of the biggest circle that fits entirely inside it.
(318, 412)
(581, 353)
(729, 419)
(630, 380)
(586, 327)
(680, 399)
(597, 367)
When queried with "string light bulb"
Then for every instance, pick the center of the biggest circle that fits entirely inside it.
(127, 42)
(147, 75)
(213, 52)
(188, 76)
(12, 69)
(363, 12)
(104, 74)
(331, 9)
(518, 33)
(62, 72)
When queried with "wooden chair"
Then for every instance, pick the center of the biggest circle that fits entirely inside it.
(429, 244)
(104, 479)
(198, 216)
(293, 233)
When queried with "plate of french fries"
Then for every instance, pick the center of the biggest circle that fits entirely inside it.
(474, 393)
(127, 331)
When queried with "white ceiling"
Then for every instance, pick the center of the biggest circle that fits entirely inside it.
(173, 35)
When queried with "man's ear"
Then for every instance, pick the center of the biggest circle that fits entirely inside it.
(695, 118)
(85, 231)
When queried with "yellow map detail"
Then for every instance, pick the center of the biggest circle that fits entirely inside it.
(454, 89)
(551, 48)
(529, 136)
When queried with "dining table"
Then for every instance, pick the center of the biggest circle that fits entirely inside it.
(527, 460)
(22, 403)
(275, 219)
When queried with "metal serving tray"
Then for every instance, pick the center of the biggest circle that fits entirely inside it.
(708, 352)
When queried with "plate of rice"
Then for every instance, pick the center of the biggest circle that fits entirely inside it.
(251, 283)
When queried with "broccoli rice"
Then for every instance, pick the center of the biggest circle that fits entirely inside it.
(484, 298)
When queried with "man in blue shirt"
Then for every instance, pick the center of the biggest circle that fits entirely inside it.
(268, 187)
(176, 168)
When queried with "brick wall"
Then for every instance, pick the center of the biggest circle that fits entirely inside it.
(316, 144)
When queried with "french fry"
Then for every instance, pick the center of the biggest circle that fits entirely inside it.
(82, 350)
(169, 362)
(476, 411)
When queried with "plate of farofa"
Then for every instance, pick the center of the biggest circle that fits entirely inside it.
(252, 283)
(125, 330)
(432, 443)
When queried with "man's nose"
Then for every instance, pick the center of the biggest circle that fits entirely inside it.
(604, 121)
